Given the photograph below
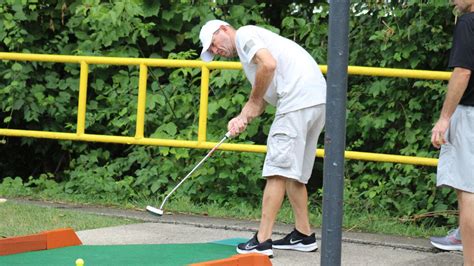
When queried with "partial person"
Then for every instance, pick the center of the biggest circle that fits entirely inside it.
(285, 75)
(454, 130)
(451, 242)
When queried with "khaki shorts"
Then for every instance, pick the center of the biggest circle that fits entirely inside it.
(456, 159)
(292, 141)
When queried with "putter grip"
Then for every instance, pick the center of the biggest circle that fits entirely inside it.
(228, 135)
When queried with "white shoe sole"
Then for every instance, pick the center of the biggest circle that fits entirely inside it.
(298, 247)
(267, 252)
(443, 247)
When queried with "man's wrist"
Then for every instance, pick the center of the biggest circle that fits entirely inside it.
(245, 119)
(445, 117)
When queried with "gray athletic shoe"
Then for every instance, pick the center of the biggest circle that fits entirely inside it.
(450, 242)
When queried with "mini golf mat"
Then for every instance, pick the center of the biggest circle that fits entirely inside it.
(231, 241)
(163, 254)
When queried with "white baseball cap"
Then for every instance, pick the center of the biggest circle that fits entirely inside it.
(207, 31)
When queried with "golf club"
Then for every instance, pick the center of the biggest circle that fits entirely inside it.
(159, 211)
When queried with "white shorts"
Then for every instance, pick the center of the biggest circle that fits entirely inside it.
(292, 141)
(456, 159)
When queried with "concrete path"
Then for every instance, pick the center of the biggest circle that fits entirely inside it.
(357, 248)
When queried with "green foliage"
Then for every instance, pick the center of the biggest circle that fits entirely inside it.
(395, 116)
(13, 187)
(385, 115)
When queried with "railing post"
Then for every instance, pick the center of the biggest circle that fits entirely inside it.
(139, 131)
(81, 109)
(203, 104)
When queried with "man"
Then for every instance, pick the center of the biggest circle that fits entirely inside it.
(454, 131)
(283, 74)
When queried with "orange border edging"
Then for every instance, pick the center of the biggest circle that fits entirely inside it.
(252, 259)
(58, 238)
(19, 244)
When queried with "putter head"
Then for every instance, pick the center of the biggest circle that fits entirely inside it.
(154, 210)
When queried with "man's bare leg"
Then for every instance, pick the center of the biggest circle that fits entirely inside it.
(273, 196)
(298, 196)
(466, 223)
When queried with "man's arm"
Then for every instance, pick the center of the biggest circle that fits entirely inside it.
(255, 106)
(456, 87)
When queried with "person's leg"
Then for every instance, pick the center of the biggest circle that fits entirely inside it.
(298, 197)
(466, 223)
(291, 148)
(273, 196)
(314, 119)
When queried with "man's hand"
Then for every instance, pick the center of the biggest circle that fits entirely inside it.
(438, 132)
(237, 125)
(456, 87)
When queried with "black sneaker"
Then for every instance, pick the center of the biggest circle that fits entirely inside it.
(253, 246)
(297, 241)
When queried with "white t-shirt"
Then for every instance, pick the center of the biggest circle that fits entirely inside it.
(298, 82)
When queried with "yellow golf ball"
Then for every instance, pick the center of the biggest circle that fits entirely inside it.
(79, 262)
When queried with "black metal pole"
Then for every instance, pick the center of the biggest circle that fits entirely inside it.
(335, 134)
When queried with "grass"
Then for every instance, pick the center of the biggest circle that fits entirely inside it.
(31, 219)
(22, 219)
(355, 220)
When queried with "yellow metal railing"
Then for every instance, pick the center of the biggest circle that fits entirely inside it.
(140, 139)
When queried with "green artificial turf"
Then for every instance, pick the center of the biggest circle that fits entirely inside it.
(164, 254)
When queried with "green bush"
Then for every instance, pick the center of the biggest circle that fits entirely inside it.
(385, 115)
